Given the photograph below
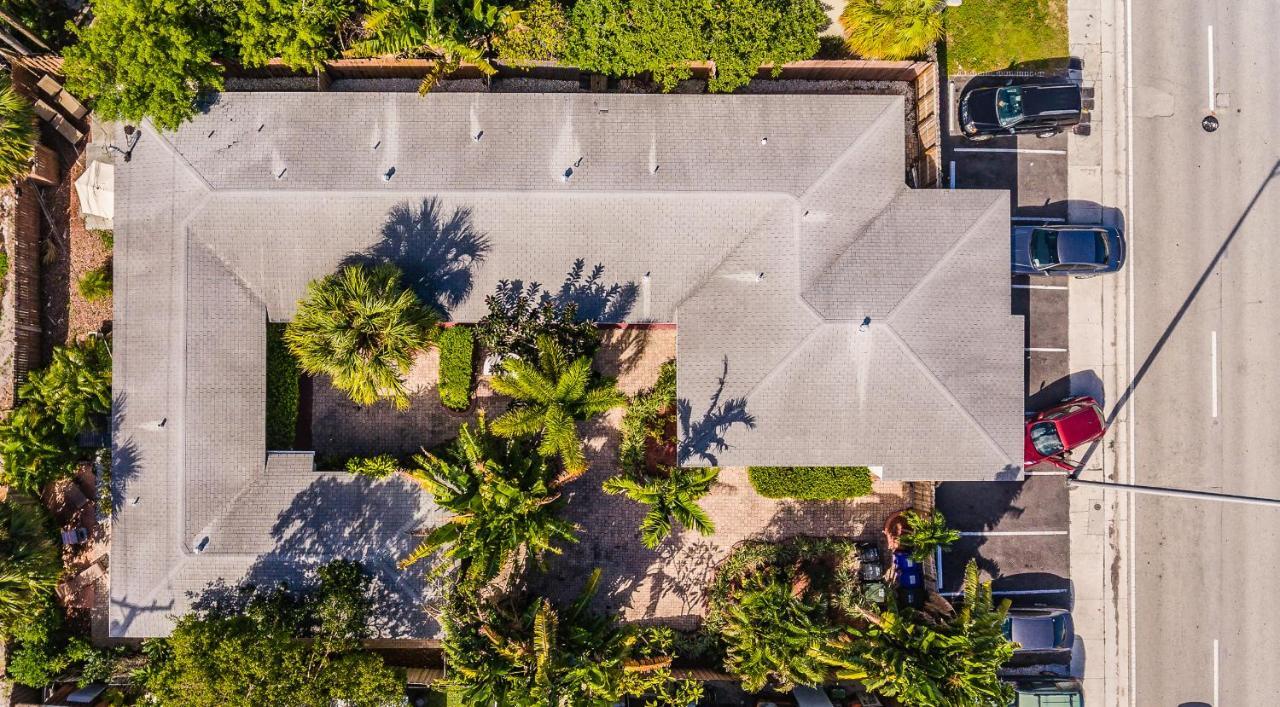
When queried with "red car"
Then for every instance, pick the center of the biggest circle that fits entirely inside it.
(1053, 433)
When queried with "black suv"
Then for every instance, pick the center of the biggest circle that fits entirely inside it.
(1039, 105)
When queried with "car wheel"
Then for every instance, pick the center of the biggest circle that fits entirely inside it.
(1047, 133)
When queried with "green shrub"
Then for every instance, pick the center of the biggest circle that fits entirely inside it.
(539, 36)
(146, 59)
(377, 467)
(95, 284)
(302, 33)
(891, 29)
(661, 37)
(282, 391)
(30, 567)
(644, 419)
(17, 134)
(457, 351)
(811, 483)
(108, 238)
(4, 264)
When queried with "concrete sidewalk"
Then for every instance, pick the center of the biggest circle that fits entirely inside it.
(1100, 343)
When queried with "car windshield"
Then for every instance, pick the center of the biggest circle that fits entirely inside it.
(1102, 252)
(1009, 105)
(1044, 248)
(1044, 436)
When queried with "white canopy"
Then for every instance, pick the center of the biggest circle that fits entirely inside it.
(96, 188)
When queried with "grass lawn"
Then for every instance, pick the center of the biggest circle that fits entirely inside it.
(988, 35)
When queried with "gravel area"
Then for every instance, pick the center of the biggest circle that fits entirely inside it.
(87, 252)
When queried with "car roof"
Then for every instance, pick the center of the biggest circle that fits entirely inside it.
(1032, 632)
(1080, 425)
(1078, 246)
(1050, 99)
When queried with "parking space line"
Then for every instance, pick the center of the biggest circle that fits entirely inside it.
(1213, 368)
(1046, 219)
(1213, 100)
(1018, 286)
(1044, 349)
(1055, 472)
(1007, 533)
(1017, 150)
(1216, 702)
(1013, 592)
(952, 181)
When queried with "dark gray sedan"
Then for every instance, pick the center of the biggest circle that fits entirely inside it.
(1082, 251)
(1038, 630)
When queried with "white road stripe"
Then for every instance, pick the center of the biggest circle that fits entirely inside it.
(1213, 99)
(1014, 150)
(1008, 533)
(1039, 287)
(1045, 349)
(1046, 219)
(1056, 472)
(1013, 592)
(1131, 505)
(1216, 701)
(1213, 368)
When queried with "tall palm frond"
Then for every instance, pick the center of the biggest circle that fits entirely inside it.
(17, 133)
(30, 565)
(891, 29)
(673, 496)
(551, 395)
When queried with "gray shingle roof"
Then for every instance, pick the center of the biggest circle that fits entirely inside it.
(768, 227)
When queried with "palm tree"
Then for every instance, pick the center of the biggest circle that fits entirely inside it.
(674, 495)
(361, 327)
(925, 533)
(502, 501)
(772, 632)
(17, 134)
(30, 566)
(922, 662)
(891, 29)
(549, 396)
(456, 30)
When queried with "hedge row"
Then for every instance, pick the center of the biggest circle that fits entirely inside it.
(282, 391)
(457, 351)
(811, 483)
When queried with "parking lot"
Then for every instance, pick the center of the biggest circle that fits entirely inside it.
(1017, 531)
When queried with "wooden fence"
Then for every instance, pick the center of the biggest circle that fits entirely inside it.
(24, 278)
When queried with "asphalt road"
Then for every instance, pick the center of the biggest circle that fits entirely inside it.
(1205, 227)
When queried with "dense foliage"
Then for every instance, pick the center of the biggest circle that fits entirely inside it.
(650, 414)
(38, 441)
(810, 483)
(518, 315)
(531, 654)
(926, 661)
(891, 29)
(283, 391)
(549, 396)
(146, 59)
(925, 533)
(47, 19)
(538, 36)
(17, 134)
(502, 499)
(361, 327)
(670, 495)
(661, 37)
(233, 656)
(95, 284)
(376, 467)
(30, 565)
(302, 33)
(772, 606)
(457, 352)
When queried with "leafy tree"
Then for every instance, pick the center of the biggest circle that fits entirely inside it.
(301, 32)
(519, 314)
(30, 565)
(536, 655)
(455, 30)
(925, 533)
(146, 59)
(661, 37)
(671, 496)
(375, 467)
(41, 663)
(361, 327)
(539, 35)
(548, 398)
(921, 662)
(771, 629)
(891, 29)
(502, 499)
(255, 654)
(17, 134)
(38, 441)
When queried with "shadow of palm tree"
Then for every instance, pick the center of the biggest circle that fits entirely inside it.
(703, 439)
(125, 463)
(596, 301)
(436, 252)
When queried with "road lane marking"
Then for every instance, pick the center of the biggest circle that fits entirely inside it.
(1216, 702)
(1014, 150)
(1046, 219)
(1131, 505)
(1039, 287)
(1042, 349)
(1213, 368)
(1213, 101)
(952, 182)
(1007, 533)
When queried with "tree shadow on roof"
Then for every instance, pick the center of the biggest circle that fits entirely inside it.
(436, 251)
(593, 299)
(125, 463)
(339, 516)
(702, 439)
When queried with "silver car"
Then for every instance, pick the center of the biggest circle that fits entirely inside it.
(1039, 630)
(1081, 251)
